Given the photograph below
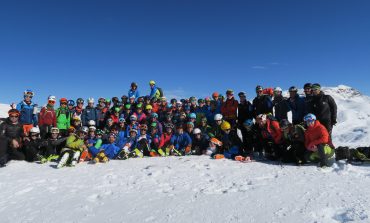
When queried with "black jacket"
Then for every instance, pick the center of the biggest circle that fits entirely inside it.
(281, 106)
(262, 105)
(325, 109)
(11, 131)
(245, 111)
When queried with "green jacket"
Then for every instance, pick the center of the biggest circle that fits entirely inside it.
(74, 143)
(63, 118)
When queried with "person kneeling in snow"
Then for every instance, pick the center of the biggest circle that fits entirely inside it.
(105, 152)
(74, 146)
(231, 143)
(180, 143)
(213, 149)
(316, 142)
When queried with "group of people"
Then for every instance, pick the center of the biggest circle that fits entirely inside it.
(137, 126)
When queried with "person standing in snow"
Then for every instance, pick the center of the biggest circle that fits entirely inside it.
(47, 117)
(262, 103)
(297, 105)
(281, 105)
(230, 107)
(245, 109)
(155, 94)
(28, 111)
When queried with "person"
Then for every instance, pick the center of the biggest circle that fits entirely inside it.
(155, 94)
(249, 132)
(296, 105)
(79, 108)
(70, 106)
(204, 127)
(74, 146)
(141, 116)
(32, 145)
(101, 110)
(180, 143)
(63, 117)
(106, 151)
(51, 148)
(262, 104)
(231, 143)
(230, 107)
(316, 142)
(212, 112)
(214, 148)
(324, 108)
(11, 134)
(163, 148)
(154, 139)
(89, 113)
(28, 111)
(154, 119)
(281, 105)
(199, 142)
(293, 140)
(133, 91)
(245, 109)
(271, 136)
(47, 117)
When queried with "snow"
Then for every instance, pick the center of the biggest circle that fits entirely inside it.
(183, 189)
(196, 189)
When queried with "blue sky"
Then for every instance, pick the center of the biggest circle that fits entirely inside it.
(97, 48)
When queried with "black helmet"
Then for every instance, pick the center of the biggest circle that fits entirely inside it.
(307, 85)
(293, 88)
(133, 84)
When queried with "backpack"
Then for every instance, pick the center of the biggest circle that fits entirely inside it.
(160, 92)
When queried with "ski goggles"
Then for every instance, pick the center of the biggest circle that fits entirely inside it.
(51, 102)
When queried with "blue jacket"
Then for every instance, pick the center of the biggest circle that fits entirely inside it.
(153, 92)
(121, 139)
(135, 93)
(27, 117)
(110, 150)
(298, 108)
(89, 114)
(180, 142)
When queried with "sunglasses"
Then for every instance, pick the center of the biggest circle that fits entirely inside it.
(63, 103)
(35, 135)
(13, 116)
(51, 102)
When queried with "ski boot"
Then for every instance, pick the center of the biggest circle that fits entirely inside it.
(75, 158)
(63, 160)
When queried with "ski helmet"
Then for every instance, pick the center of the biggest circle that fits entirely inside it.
(71, 103)
(192, 115)
(309, 118)
(225, 126)
(169, 125)
(259, 88)
(51, 98)
(215, 94)
(28, 93)
(63, 100)
(316, 86)
(35, 130)
(91, 123)
(101, 100)
(54, 130)
(122, 120)
(148, 107)
(278, 89)
(133, 84)
(80, 101)
(92, 128)
(133, 118)
(173, 100)
(99, 132)
(242, 94)
(229, 92)
(248, 122)
(197, 131)
(151, 82)
(307, 85)
(128, 106)
(13, 112)
(90, 100)
(154, 115)
(293, 89)
(85, 129)
(218, 117)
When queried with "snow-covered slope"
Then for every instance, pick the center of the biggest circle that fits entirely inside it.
(183, 189)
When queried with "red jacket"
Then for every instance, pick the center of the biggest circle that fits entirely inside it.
(47, 117)
(114, 118)
(316, 135)
(165, 140)
(229, 109)
(273, 130)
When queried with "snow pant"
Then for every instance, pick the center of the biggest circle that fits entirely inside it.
(232, 152)
(294, 153)
(16, 154)
(323, 155)
(272, 151)
(70, 153)
(30, 154)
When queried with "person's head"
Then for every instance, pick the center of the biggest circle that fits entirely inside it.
(229, 94)
(101, 102)
(197, 133)
(92, 130)
(51, 100)
(153, 128)
(71, 130)
(143, 129)
(259, 90)
(261, 120)
(124, 99)
(114, 130)
(169, 116)
(82, 133)
(192, 117)
(115, 100)
(316, 89)
(278, 91)
(309, 120)
(163, 101)
(99, 134)
(182, 116)
(71, 104)
(107, 102)
(173, 101)
(148, 109)
(112, 138)
(189, 127)
(215, 96)
(203, 121)
(90, 102)
(127, 108)
(54, 133)
(133, 86)
(248, 124)
(307, 89)
(179, 128)
(226, 127)
(34, 133)
(133, 132)
(13, 115)
(151, 84)
(133, 119)
(207, 101)
(122, 122)
(139, 108)
(285, 125)
(168, 127)
(242, 96)
(293, 91)
(154, 116)
(110, 122)
(63, 102)
(76, 121)
(80, 103)
(218, 119)
(132, 100)
(28, 95)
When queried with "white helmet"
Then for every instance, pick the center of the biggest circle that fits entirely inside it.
(278, 89)
(92, 128)
(197, 131)
(35, 130)
(91, 123)
(85, 129)
(262, 117)
(52, 98)
(218, 117)
(90, 100)
(54, 130)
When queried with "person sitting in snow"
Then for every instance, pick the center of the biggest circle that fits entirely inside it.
(316, 142)
(180, 142)
(107, 151)
(231, 144)
(74, 146)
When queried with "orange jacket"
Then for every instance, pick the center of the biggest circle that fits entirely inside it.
(316, 135)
